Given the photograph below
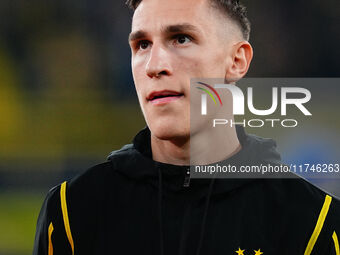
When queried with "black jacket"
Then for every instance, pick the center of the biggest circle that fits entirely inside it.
(133, 205)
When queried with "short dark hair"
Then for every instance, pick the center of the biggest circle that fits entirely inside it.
(233, 8)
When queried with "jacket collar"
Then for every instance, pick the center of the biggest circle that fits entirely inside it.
(175, 174)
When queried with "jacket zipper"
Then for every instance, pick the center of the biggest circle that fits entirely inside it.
(186, 183)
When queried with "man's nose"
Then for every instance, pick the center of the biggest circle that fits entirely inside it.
(158, 63)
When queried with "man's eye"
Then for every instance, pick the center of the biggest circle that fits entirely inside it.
(182, 39)
(143, 45)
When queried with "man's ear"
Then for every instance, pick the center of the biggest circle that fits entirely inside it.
(242, 55)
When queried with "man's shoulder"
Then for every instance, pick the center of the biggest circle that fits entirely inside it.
(99, 176)
(103, 173)
(301, 195)
(92, 177)
(303, 207)
(87, 180)
(314, 210)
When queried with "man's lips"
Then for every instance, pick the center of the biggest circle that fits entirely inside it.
(164, 96)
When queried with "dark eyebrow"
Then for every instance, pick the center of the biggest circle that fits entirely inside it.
(178, 28)
(181, 28)
(137, 35)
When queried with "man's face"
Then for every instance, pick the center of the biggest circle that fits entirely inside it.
(173, 41)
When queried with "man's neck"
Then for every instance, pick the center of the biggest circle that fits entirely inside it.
(175, 152)
(205, 147)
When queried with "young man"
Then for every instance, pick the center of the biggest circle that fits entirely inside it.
(142, 200)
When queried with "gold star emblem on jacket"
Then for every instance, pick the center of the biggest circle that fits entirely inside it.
(239, 251)
(258, 252)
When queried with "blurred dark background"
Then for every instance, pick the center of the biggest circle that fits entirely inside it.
(67, 96)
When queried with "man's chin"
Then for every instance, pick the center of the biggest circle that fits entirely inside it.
(170, 133)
